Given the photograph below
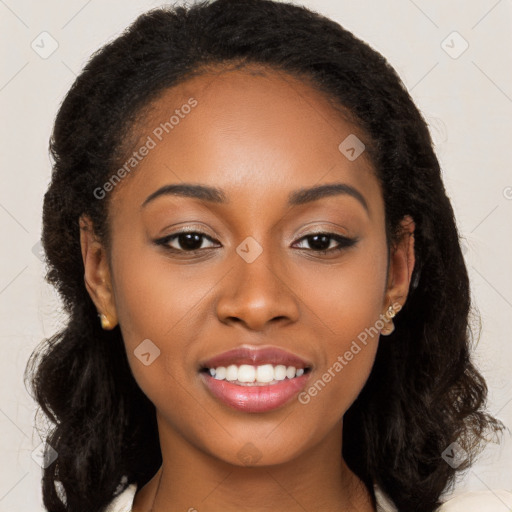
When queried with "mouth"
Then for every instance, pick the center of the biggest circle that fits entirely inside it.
(255, 397)
(255, 376)
(255, 379)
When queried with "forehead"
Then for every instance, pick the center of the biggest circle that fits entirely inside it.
(254, 131)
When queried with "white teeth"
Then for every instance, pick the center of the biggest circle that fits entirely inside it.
(246, 373)
(220, 373)
(231, 372)
(265, 373)
(280, 372)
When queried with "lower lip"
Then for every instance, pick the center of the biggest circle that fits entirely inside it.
(255, 398)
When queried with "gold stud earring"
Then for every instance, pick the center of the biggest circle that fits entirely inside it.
(105, 322)
(391, 313)
(390, 327)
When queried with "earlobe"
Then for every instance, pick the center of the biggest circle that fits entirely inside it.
(97, 277)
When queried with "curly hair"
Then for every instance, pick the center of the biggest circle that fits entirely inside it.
(423, 392)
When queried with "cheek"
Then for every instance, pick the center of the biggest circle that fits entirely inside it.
(349, 296)
(153, 305)
(348, 302)
(155, 297)
(160, 302)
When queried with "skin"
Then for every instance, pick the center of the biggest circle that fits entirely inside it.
(258, 138)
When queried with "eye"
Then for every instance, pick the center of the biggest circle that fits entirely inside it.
(321, 242)
(192, 242)
(185, 241)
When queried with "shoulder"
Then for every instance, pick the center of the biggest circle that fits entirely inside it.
(123, 502)
(496, 500)
(473, 501)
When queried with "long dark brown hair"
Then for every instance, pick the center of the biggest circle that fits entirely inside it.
(423, 393)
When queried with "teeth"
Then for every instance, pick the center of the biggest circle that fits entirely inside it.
(280, 372)
(246, 373)
(265, 373)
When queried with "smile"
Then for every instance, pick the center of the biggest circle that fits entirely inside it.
(255, 389)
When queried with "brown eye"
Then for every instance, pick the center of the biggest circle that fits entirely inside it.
(184, 241)
(321, 242)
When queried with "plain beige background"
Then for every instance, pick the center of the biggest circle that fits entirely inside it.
(461, 81)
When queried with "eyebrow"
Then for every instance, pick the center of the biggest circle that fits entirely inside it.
(297, 197)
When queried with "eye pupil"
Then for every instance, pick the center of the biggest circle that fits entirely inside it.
(190, 241)
(319, 241)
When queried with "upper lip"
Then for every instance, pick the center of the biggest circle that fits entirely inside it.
(255, 356)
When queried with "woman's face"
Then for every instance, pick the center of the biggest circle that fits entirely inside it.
(256, 278)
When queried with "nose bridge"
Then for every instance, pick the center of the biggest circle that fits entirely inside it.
(257, 292)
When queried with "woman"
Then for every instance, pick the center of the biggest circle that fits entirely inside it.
(247, 197)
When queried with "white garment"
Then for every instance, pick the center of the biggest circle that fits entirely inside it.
(475, 501)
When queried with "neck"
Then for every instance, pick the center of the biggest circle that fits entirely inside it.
(190, 479)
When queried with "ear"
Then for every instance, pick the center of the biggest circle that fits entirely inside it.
(97, 276)
(401, 264)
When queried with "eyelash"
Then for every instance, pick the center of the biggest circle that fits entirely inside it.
(344, 242)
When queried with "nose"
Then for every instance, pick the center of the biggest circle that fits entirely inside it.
(258, 293)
